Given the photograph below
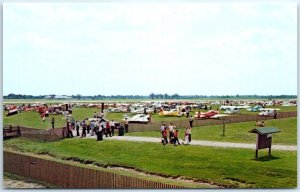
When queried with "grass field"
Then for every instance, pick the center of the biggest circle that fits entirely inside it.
(228, 167)
(32, 119)
(238, 132)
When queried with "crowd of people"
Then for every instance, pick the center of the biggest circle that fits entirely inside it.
(93, 126)
(170, 134)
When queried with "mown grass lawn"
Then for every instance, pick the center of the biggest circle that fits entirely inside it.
(33, 119)
(229, 167)
(237, 132)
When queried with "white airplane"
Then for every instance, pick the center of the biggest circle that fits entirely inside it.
(288, 104)
(255, 108)
(138, 118)
(267, 111)
(224, 107)
(118, 109)
(142, 110)
(232, 110)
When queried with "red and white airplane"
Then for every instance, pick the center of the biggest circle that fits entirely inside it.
(209, 114)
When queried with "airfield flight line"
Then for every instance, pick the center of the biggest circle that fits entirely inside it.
(202, 143)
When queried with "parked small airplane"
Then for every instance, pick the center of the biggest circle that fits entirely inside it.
(138, 118)
(224, 107)
(209, 114)
(232, 110)
(268, 111)
(119, 109)
(12, 110)
(255, 108)
(142, 110)
(172, 112)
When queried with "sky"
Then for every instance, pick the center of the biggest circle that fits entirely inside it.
(190, 48)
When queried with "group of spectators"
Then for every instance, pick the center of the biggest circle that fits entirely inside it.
(172, 133)
(97, 125)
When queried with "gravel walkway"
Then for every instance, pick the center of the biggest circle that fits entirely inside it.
(9, 183)
(200, 142)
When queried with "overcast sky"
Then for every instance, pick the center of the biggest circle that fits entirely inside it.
(126, 48)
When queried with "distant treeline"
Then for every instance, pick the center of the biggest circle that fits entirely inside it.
(150, 96)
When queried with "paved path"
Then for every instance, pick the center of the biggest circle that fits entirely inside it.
(201, 142)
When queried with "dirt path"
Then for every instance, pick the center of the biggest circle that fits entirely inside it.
(9, 183)
(201, 143)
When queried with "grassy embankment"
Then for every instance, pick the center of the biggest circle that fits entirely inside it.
(228, 167)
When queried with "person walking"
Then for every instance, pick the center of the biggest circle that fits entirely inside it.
(83, 134)
(72, 122)
(52, 122)
(103, 126)
(191, 121)
(92, 125)
(186, 137)
(171, 131)
(69, 128)
(88, 125)
(77, 128)
(99, 131)
(162, 129)
(108, 132)
(165, 137)
(176, 134)
(190, 134)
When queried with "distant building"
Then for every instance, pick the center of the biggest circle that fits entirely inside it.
(57, 97)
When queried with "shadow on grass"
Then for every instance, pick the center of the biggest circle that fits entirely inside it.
(266, 158)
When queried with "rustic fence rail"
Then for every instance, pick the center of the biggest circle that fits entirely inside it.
(71, 176)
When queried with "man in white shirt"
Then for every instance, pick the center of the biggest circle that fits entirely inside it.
(112, 127)
(171, 131)
(162, 128)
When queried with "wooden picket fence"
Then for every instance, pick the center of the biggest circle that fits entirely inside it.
(69, 176)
